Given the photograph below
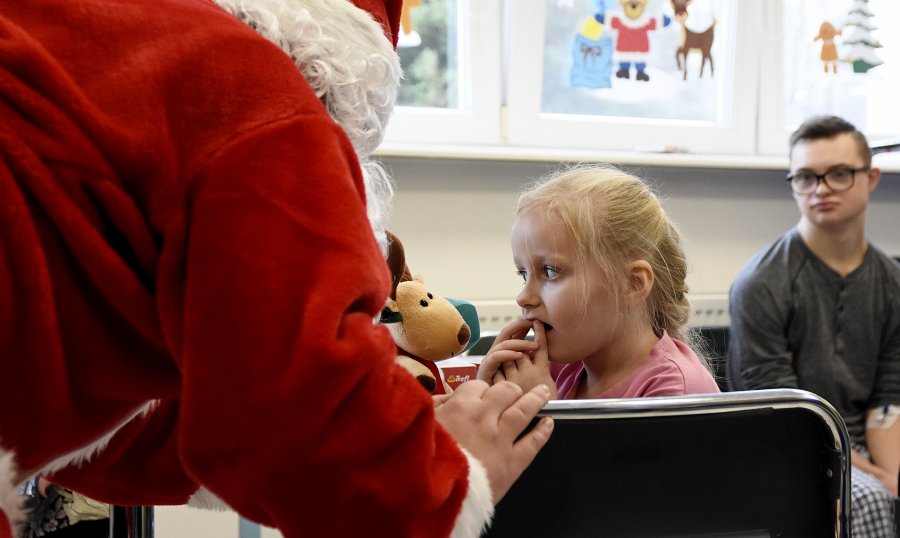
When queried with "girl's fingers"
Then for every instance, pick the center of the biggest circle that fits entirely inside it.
(510, 369)
(523, 362)
(516, 330)
(495, 361)
(542, 354)
(524, 346)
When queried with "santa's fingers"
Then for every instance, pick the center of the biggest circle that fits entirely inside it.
(439, 399)
(520, 412)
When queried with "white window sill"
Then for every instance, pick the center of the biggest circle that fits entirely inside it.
(888, 162)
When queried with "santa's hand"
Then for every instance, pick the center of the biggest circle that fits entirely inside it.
(439, 399)
(486, 419)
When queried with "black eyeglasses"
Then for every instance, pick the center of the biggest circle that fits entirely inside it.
(837, 179)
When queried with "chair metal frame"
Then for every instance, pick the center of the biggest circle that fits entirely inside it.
(541, 494)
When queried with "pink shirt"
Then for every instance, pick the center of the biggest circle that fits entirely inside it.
(671, 369)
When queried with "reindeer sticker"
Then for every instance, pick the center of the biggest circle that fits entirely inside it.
(693, 40)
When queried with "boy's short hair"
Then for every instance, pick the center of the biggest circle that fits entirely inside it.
(819, 127)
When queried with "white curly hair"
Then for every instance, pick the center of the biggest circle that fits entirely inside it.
(350, 64)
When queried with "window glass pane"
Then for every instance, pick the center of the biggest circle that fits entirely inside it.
(842, 57)
(428, 49)
(626, 65)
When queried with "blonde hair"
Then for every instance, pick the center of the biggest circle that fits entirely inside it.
(615, 219)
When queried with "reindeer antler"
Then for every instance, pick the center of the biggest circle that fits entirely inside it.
(396, 260)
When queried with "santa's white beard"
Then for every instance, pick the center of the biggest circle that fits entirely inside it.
(379, 192)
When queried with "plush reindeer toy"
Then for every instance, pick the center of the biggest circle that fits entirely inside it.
(426, 326)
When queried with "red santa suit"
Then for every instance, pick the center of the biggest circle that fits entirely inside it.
(188, 280)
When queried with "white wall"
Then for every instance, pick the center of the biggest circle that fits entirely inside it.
(453, 217)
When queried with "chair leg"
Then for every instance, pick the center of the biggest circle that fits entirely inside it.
(131, 522)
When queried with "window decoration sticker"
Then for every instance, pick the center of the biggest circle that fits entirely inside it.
(633, 43)
(408, 36)
(861, 44)
(837, 57)
(592, 53)
(638, 59)
(829, 53)
(428, 47)
(697, 34)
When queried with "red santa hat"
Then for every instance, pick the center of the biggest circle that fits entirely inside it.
(386, 13)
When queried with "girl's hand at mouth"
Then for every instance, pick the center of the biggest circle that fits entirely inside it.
(513, 358)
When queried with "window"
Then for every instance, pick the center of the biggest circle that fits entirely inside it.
(830, 57)
(513, 76)
(428, 50)
(666, 108)
(451, 53)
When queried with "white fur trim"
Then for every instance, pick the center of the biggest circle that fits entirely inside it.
(85, 453)
(10, 500)
(477, 509)
(350, 64)
(203, 498)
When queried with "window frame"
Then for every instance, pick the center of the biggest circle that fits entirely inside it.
(499, 118)
(528, 126)
(477, 119)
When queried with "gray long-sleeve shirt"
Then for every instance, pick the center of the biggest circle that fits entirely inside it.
(797, 323)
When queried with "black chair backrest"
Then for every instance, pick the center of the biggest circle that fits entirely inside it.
(754, 463)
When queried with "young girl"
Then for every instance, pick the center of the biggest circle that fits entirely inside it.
(604, 292)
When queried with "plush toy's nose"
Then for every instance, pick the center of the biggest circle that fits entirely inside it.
(463, 335)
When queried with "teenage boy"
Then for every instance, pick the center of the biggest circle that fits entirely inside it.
(819, 310)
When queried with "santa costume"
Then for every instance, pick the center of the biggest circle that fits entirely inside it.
(188, 274)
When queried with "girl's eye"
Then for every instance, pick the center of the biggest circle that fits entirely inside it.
(523, 274)
(551, 272)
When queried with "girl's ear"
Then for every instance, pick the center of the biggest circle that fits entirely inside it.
(641, 277)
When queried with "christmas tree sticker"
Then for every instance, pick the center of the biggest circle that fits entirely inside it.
(862, 45)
